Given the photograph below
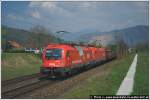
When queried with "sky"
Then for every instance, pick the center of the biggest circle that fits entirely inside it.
(75, 16)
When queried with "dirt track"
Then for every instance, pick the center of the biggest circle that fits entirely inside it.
(58, 89)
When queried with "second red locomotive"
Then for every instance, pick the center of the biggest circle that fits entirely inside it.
(65, 59)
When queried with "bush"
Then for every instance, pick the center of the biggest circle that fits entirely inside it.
(15, 50)
(112, 47)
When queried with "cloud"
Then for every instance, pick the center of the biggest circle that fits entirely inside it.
(15, 17)
(75, 16)
(49, 9)
(89, 5)
(12, 16)
(35, 14)
(141, 4)
(45, 5)
(55, 5)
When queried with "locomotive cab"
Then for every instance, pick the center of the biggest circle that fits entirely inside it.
(60, 59)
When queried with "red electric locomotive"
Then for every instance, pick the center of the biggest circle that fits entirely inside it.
(65, 59)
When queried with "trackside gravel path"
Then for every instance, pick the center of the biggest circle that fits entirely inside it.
(126, 86)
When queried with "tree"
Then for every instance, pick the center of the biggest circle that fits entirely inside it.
(39, 30)
(142, 46)
(112, 47)
(6, 45)
(97, 43)
(30, 43)
(122, 47)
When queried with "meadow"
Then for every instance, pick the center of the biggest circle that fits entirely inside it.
(19, 64)
(109, 82)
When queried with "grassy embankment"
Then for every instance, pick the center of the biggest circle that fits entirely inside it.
(102, 84)
(142, 75)
(19, 64)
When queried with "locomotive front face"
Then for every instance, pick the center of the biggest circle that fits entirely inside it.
(53, 58)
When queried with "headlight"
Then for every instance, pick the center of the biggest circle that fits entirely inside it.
(51, 64)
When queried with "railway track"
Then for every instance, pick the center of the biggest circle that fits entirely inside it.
(18, 86)
(24, 89)
(19, 79)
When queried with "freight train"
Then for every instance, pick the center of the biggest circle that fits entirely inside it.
(66, 59)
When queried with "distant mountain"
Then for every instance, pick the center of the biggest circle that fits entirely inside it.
(131, 35)
(25, 38)
(86, 33)
(86, 37)
(134, 35)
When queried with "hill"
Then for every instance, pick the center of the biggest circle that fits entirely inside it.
(25, 38)
(131, 35)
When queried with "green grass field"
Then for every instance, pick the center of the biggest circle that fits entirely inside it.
(102, 84)
(106, 83)
(142, 75)
(19, 64)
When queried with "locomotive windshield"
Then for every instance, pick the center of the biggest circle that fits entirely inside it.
(53, 54)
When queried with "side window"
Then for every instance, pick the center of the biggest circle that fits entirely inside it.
(67, 54)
